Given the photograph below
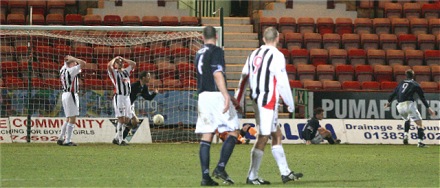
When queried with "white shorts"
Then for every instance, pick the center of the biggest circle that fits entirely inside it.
(408, 110)
(210, 114)
(122, 106)
(70, 104)
(266, 119)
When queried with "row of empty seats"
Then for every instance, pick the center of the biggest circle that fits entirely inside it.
(93, 20)
(38, 6)
(359, 56)
(361, 72)
(406, 8)
(359, 41)
(356, 85)
(345, 25)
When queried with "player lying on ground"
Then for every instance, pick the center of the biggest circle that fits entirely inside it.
(313, 133)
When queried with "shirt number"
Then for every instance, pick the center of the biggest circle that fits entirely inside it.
(404, 86)
(257, 63)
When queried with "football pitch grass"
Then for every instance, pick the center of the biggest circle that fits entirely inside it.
(177, 165)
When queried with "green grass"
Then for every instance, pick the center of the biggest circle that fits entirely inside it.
(177, 165)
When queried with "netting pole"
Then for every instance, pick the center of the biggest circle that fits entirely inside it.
(222, 25)
(29, 66)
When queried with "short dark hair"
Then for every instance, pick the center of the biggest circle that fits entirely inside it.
(209, 32)
(409, 74)
(142, 74)
(270, 34)
(317, 111)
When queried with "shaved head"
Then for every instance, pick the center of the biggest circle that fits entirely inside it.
(270, 34)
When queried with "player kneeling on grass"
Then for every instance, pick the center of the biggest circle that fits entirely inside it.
(313, 133)
(69, 80)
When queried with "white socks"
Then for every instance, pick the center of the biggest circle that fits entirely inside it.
(63, 131)
(256, 156)
(280, 158)
(120, 130)
(69, 132)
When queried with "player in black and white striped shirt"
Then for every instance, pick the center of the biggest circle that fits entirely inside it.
(121, 101)
(69, 80)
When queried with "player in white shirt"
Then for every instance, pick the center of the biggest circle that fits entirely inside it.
(121, 101)
(265, 71)
(69, 80)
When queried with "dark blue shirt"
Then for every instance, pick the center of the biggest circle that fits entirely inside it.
(142, 90)
(405, 92)
(310, 129)
(209, 59)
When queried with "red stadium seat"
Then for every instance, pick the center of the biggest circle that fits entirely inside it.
(295, 84)
(293, 40)
(318, 56)
(186, 70)
(434, 26)
(429, 86)
(312, 84)
(430, 11)
(52, 83)
(399, 72)
(344, 25)
(285, 52)
(112, 20)
(37, 19)
(325, 25)
(291, 71)
(350, 41)
(14, 83)
(364, 73)
(422, 73)
(166, 70)
(388, 85)
(393, 10)
(376, 57)
(412, 10)
(370, 85)
(150, 21)
(418, 26)
(344, 73)
(189, 83)
(92, 83)
(15, 19)
(306, 72)
(383, 73)
(414, 57)
(337, 56)
(9, 68)
(388, 41)
(17, 7)
(55, 19)
(351, 85)
(92, 19)
(312, 40)
(331, 85)
(189, 21)
(432, 57)
(325, 72)
(331, 41)
(426, 42)
(287, 25)
(395, 57)
(172, 83)
(155, 83)
(363, 25)
(306, 25)
(435, 72)
(407, 42)
(169, 21)
(299, 56)
(56, 6)
(400, 26)
(74, 19)
(369, 41)
(131, 20)
(357, 57)
(381, 25)
(7, 53)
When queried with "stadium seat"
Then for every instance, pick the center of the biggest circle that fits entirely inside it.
(7, 53)
(287, 25)
(388, 41)
(172, 83)
(56, 7)
(112, 20)
(285, 52)
(432, 57)
(2, 19)
(325, 72)
(299, 56)
(343, 25)
(331, 85)
(44, 53)
(383, 73)
(312, 40)
(351, 85)
(92, 19)
(400, 26)
(412, 10)
(435, 72)
(52, 83)
(148, 67)
(364, 73)
(83, 51)
(370, 85)
(166, 70)
(429, 86)
(393, 10)
(38, 6)
(331, 41)
(281, 40)
(37, 19)
(388, 85)
(150, 21)
(186, 70)
(407, 42)
(426, 42)
(266, 22)
(318, 56)
(312, 84)
(395, 57)
(376, 57)
(422, 73)
(363, 25)
(381, 25)
(291, 71)
(122, 51)
(295, 84)
(293, 40)
(306, 25)
(74, 19)
(189, 21)
(92, 83)
(21, 53)
(15, 19)
(369, 41)
(23, 68)
(357, 57)
(325, 25)
(155, 83)
(430, 11)
(17, 7)
(90, 71)
(418, 26)
(434, 26)
(169, 21)
(350, 41)
(9, 68)
(306, 72)
(399, 72)
(414, 57)
(54, 19)
(131, 20)
(37, 83)
(14, 83)
(344, 73)
(104, 52)
(337, 56)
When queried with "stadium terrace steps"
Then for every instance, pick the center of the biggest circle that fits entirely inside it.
(227, 20)
(238, 51)
(241, 36)
(235, 60)
(234, 67)
(235, 28)
(241, 43)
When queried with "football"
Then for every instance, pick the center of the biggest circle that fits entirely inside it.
(158, 119)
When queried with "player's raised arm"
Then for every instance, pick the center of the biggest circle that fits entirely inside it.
(111, 63)
(130, 62)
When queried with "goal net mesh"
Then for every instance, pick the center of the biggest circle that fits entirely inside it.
(166, 53)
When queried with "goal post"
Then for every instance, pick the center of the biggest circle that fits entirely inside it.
(36, 53)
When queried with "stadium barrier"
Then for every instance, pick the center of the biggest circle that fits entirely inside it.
(101, 130)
